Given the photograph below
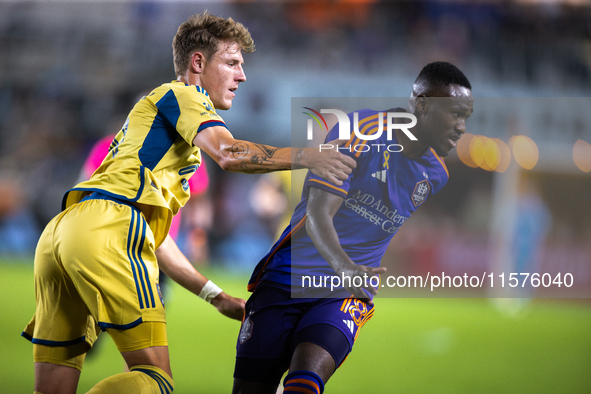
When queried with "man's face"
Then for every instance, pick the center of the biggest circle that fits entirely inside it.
(222, 73)
(446, 118)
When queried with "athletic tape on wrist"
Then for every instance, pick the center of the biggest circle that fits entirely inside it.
(209, 291)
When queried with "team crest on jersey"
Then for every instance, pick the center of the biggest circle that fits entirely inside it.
(246, 330)
(420, 193)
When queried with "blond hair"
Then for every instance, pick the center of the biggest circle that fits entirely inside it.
(204, 32)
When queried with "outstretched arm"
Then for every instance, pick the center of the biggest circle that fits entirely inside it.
(251, 158)
(321, 208)
(178, 268)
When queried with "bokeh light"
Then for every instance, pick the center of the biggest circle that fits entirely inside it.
(477, 149)
(504, 155)
(492, 154)
(582, 155)
(463, 150)
(525, 151)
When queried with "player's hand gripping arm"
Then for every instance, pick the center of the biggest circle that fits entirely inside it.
(245, 156)
(322, 206)
(178, 268)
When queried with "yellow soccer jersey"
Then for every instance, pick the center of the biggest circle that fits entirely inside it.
(152, 157)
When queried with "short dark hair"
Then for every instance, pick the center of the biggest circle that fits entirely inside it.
(439, 75)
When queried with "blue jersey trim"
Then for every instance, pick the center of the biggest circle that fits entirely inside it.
(210, 123)
(133, 324)
(101, 195)
(134, 255)
(200, 90)
(141, 260)
(168, 106)
(116, 197)
(141, 189)
(45, 342)
(157, 143)
(165, 386)
(188, 170)
(132, 260)
(162, 133)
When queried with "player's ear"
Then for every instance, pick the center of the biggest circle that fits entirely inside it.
(197, 62)
(421, 104)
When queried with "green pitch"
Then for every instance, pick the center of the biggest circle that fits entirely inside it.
(410, 345)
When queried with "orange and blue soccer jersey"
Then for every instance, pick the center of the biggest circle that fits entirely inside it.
(381, 193)
(152, 158)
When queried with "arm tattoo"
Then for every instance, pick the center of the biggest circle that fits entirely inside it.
(298, 158)
(267, 150)
(256, 159)
(244, 168)
(239, 150)
(266, 153)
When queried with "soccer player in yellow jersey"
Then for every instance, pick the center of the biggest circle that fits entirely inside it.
(96, 263)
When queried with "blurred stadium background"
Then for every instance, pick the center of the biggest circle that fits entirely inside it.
(519, 195)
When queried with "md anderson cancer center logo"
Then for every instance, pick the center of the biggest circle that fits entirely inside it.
(362, 139)
(375, 211)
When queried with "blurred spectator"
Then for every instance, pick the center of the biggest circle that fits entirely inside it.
(18, 228)
(269, 199)
(531, 228)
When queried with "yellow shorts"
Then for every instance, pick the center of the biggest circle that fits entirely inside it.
(95, 269)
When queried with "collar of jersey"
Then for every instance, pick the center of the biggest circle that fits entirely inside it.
(186, 84)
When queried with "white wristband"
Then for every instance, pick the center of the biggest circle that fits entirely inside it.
(209, 291)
